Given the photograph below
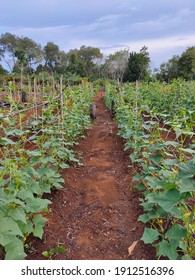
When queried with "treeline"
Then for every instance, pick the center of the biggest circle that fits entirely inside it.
(23, 56)
(182, 66)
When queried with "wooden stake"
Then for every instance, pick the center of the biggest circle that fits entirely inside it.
(136, 98)
(62, 104)
(53, 83)
(35, 96)
(43, 82)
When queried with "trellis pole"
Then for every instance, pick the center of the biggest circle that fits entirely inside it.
(29, 85)
(35, 96)
(43, 83)
(62, 103)
(53, 82)
(136, 98)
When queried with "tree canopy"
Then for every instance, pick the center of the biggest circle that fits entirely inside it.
(182, 66)
(23, 55)
(116, 64)
(138, 65)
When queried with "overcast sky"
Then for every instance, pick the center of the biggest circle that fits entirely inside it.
(166, 27)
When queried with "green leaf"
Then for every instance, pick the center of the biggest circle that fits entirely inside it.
(155, 147)
(137, 177)
(167, 199)
(176, 212)
(150, 235)
(188, 151)
(47, 144)
(25, 194)
(133, 156)
(48, 159)
(35, 187)
(46, 254)
(9, 227)
(11, 200)
(170, 162)
(42, 171)
(171, 143)
(187, 170)
(148, 206)
(35, 153)
(176, 232)
(7, 141)
(61, 249)
(15, 250)
(168, 249)
(39, 223)
(35, 122)
(28, 227)
(37, 204)
(187, 185)
(57, 185)
(15, 132)
(139, 186)
(64, 165)
(17, 214)
(156, 158)
(154, 182)
(186, 257)
(144, 218)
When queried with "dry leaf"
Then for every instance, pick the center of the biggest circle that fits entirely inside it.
(132, 247)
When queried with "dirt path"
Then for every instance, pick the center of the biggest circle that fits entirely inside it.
(95, 215)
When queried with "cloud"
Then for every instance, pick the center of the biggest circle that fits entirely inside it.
(110, 18)
(162, 44)
(164, 26)
(160, 49)
(128, 6)
(165, 23)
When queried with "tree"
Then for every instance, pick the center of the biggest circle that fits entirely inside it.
(178, 66)
(61, 63)
(51, 55)
(116, 64)
(32, 51)
(19, 52)
(138, 66)
(75, 64)
(169, 70)
(186, 64)
(8, 45)
(89, 57)
(2, 70)
(21, 61)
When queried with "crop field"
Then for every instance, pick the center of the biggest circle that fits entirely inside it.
(35, 144)
(157, 122)
(155, 125)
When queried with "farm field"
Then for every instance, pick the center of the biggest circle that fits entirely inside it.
(94, 216)
(157, 121)
(32, 153)
(124, 191)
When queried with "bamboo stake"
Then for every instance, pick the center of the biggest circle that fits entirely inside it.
(136, 98)
(53, 83)
(29, 86)
(43, 82)
(61, 124)
(62, 100)
(35, 97)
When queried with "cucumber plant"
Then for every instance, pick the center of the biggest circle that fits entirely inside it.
(26, 174)
(164, 169)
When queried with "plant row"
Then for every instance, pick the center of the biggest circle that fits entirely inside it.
(32, 157)
(163, 160)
